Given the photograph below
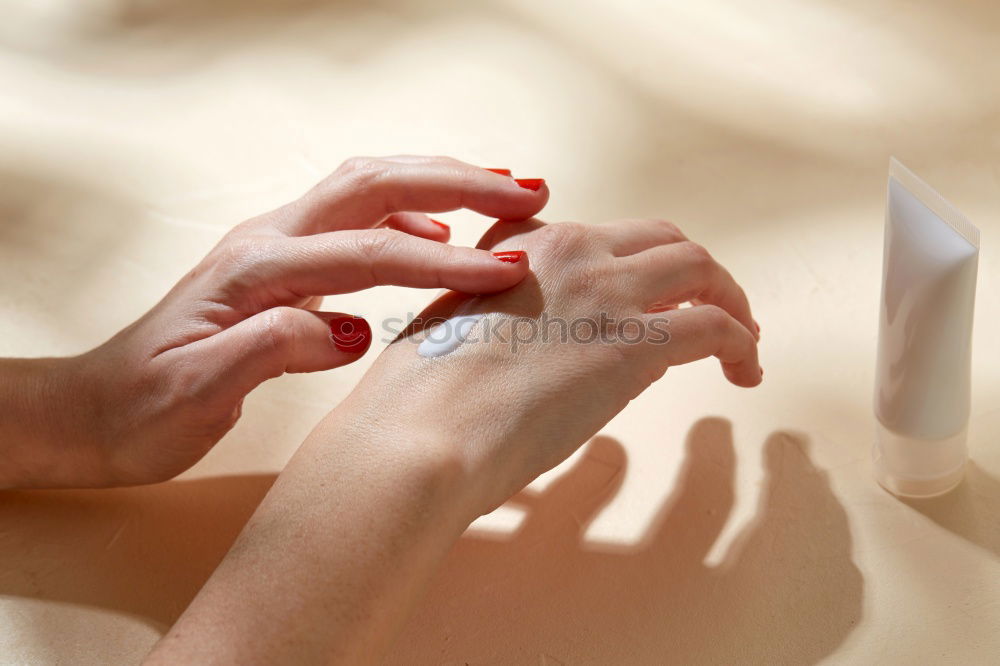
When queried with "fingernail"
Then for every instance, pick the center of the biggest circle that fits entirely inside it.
(502, 172)
(533, 184)
(351, 335)
(441, 224)
(511, 257)
(761, 372)
(757, 325)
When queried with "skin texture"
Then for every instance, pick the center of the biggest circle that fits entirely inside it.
(342, 546)
(150, 402)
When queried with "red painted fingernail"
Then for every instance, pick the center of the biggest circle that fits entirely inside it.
(441, 224)
(351, 335)
(511, 257)
(502, 172)
(533, 184)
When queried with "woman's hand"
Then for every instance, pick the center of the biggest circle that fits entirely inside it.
(356, 524)
(557, 356)
(155, 398)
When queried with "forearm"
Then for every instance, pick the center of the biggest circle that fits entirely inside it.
(334, 557)
(44, 404)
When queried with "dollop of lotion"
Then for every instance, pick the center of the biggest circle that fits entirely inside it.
(448, 336)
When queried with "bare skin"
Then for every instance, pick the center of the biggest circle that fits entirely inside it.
(342, 546)
(150, 402)
(340, 549)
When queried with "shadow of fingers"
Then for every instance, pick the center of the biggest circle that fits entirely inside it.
(788, 592)
(796, 592)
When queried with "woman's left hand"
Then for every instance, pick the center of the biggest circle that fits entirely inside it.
(366, 510)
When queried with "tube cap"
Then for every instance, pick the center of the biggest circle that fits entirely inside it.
(915, 467)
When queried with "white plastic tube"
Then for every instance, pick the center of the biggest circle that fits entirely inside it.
(924, 360)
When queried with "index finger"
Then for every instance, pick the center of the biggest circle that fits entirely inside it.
(364, 191)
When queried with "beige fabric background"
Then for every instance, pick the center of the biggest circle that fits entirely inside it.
(709, 524)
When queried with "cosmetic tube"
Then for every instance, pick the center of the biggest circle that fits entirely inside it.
(923, 368)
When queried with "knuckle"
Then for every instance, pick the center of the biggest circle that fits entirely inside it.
(277, 329)
(186, 391)
(716, 320)
(699, 258)
(669, 228)
(466, 178)
(571, 229)
(358, 165)
(360, 174)
(741, 295)
(730, 287)
(246, 228)
(697, 253)
(372, 252)
(376, 244)
(675, 230)
(446, 160)
(240, 255)
(185, 383)
(564, 238)
(570, 256)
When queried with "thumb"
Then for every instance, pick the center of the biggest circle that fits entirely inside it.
(276, 341)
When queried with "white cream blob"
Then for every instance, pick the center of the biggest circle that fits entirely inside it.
(448, 336)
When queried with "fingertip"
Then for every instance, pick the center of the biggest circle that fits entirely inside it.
(350, 335)
(518, 208)
(505, 269)
(540, 195)
(419, 225)
(513, 275)
(744, 375)
(495, 192)
(544, 200)
(512, 256)
(442, 230)
(533, 184)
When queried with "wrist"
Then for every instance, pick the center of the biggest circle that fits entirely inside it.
(421, 449)
(364, 512)
(46, 435)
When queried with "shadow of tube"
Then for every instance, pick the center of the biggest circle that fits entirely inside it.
(971, 511)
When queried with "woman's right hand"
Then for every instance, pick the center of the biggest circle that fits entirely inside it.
(152, 400)
(511, 403)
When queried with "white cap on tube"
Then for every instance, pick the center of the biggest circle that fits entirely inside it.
(913, 467)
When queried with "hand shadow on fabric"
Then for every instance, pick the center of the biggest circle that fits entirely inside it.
(788, 592)
(971, 511)
(144, 551)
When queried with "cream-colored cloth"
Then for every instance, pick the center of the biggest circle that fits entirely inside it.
(711, 524)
